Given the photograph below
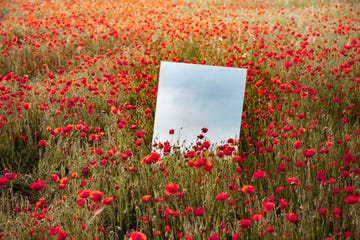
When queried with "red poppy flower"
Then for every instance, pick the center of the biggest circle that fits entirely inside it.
(291, 217)
(139, 134)
(349, 189)
(259, 174)
(214, 236)
(283, 203)
(3, 181)
(107, 201)
(96, 196)
(244, 223)
(322, 211)
(80, 202)
(38, 185)
(54, 230)
(309, 153)
(42, 143)
(84, 193)
(54, 177)
(348, 159)
(204, 130)
(267, 206)
(293, 181)
(248, 189)
(198, 211)
(256, 217)
(10, 175)
(351, 199)
(146, 198)
(171, 188)
(337, 212)
(137, 236)
(269, 229)
(152, 157)
(222, 196)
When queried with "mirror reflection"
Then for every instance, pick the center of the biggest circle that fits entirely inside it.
(193, 96)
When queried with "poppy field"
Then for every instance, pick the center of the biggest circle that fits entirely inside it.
(78, 87)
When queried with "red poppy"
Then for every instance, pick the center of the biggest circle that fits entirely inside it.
(248, 189)
(137, 236)
(38, 185)
(54, 177)
(146, 198)
(42, 143)
(348, 159)
(259, 174)
(171, 188)
(269, 229)
(107, 201)
(3, 181)
(222, 196)
(267, 206)
(283, 203)
(322, 211)
(293, 181)
(84, 193)
(54, 230)
(139, 134)
(152, 157)
(256, 217)
(10, 175)
(80, 202)
(349, 189)
(291, 217)
(214, 236)
(309, 153)
(96, 196)
(205, 144)
(351, 199)
(244, 223)
(198, 211)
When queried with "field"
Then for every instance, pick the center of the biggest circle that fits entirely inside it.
(78, 85)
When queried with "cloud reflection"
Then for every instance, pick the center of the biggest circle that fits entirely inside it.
(193, 96)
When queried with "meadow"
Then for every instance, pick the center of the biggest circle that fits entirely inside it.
(78, 86)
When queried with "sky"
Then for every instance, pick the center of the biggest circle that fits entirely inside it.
(194, 96)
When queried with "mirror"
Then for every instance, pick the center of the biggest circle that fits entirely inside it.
(193, 96)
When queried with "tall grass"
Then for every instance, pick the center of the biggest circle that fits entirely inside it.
(78, 84)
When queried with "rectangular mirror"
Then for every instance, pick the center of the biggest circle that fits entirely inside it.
(192, 97)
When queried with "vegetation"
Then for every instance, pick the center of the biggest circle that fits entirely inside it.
(78, 84)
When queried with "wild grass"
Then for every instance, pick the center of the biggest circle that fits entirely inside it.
(78, 81)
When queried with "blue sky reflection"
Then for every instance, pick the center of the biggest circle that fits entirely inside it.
(193, 96)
